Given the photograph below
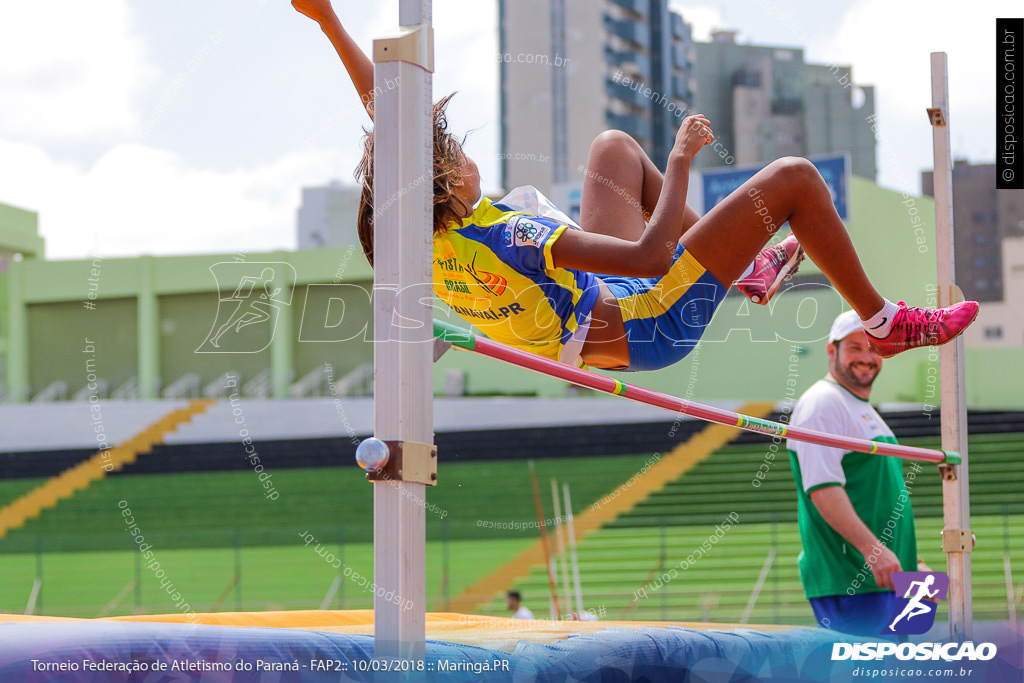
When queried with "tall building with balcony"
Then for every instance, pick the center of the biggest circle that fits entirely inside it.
(977, 242)
(767, 102)
(571, 69)
(988, 246)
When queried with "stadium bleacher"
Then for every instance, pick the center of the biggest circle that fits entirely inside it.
(324, 432)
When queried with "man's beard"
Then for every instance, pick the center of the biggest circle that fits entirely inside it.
(852, 378)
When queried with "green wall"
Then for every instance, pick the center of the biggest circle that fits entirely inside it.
(151, 318)
(19, 232)
(67, 342)
(185, 322)
(995, 377)
(333, 325)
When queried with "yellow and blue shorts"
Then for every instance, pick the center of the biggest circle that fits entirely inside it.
(665, 317)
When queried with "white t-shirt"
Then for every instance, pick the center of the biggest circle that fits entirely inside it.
(829, 566)
(830, 408)
(523, 613)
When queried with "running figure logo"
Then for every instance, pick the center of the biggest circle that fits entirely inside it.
(247, 317)
(915, 610)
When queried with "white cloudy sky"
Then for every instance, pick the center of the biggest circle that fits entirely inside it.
(190, 126)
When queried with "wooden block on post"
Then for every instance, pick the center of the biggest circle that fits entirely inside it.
(409, 462)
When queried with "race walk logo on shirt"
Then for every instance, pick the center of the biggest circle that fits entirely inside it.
(915, 611)
(524, 231)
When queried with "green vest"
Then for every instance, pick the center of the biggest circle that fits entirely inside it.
(831, 566)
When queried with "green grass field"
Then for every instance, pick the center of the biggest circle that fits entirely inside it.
(195, 521)
(88, 584)
(615, 563)
(203, 527)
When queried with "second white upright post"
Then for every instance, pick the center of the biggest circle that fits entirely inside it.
(957, 540)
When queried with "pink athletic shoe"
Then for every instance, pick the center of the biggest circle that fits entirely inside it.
(915, 327)
(773, 266)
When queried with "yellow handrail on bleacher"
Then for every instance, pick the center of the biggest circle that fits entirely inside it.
(76, 478)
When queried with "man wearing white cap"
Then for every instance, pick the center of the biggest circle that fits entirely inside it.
(855, 519)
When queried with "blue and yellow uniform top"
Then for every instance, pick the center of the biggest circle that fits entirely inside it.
(496, 271)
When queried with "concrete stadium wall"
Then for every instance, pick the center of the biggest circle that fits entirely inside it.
(67, 342)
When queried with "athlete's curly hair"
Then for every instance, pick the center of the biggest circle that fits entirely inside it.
(448, 175)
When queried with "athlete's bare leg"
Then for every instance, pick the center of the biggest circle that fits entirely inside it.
(727, 238)
(621, 187)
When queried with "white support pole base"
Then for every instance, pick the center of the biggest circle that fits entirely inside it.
(399, 553)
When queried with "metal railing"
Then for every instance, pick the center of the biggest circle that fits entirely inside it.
(358, 382)
(260, 386)
(98, 389)
(186, 386)
(313, 383)
(223, 386)
(56, 390)
(129, 391)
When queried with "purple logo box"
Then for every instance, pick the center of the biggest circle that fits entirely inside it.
(902, 580)
(917, 594)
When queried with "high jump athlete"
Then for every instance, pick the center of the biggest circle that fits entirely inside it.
(635, 288)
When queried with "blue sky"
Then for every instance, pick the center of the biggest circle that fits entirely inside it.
(190, 127)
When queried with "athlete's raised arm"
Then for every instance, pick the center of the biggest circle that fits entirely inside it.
(358, 65)
(651, 255)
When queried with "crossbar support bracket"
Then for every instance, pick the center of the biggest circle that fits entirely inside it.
(408, 461)
(441, 347)
(947, 471)
(957, 541)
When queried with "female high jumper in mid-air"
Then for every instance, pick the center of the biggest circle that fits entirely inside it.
(635, 288)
